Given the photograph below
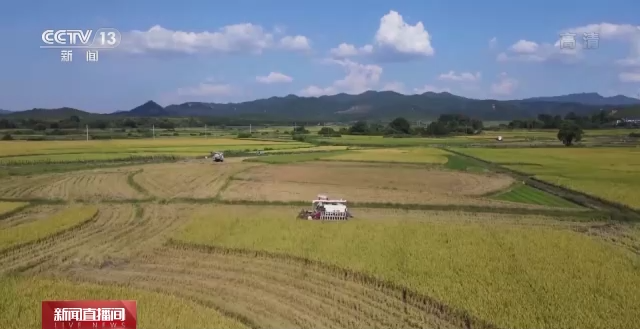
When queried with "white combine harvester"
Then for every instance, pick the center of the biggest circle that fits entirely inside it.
(217, 156)
(324, 208)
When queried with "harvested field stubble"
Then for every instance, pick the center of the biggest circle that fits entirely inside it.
(187, 180)
(30, 214)
(408, 155)
(366, 183)
(20, 303)
(34, 231)
(514, 276)
(98, 184)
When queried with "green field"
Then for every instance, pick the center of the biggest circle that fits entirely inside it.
(527, 194)
(609, 173)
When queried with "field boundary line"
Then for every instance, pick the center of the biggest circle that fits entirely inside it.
(586, 200)
(17, 210)
(52, 236)
(458, 317)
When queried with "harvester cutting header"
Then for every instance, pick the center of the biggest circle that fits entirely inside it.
(324, 208)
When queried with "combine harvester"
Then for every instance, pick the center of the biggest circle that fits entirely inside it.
(217, 156)
(326, 209)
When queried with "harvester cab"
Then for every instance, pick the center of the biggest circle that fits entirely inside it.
(323, 208)
(217, 156)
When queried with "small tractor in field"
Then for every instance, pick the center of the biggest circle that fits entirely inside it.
(217, 156)
(324, 208)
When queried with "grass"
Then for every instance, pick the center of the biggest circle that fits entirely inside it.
(20, 303)
(10, 207)
(515, 276)
(612, 174)
(406, 155)
(526, 194)
(34, 231)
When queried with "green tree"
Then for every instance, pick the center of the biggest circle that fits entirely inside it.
(400, 125)
(570, 132)
(359, 128)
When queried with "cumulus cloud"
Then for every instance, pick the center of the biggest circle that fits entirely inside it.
(359, 78)
(274, 77)
(349, 50)
(297, 42)
(236, 38)
(505, 85)
(395, 39)
(462, 77)
(430, 88)
(530, 51)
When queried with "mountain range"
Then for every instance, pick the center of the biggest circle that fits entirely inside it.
(367, 105)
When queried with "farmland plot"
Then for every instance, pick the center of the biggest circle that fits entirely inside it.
(99, 184)
(367, 183)
(516, 276)
(186, 180)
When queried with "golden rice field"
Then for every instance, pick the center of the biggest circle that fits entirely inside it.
(34, 231)
(156, 146)
(609, 173)
(518, 276)
(17, 296)
(161, 234)
(8, 207)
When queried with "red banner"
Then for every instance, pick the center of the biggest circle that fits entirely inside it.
(89, 314)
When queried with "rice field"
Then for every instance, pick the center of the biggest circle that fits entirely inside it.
(163, 234)
(609, 173)
(9, 207)
(94, 149)
(406, 155)
(17, 296)
(517, 276)
(34, 231)
(365, 183)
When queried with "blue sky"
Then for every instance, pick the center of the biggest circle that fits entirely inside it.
(179, 51)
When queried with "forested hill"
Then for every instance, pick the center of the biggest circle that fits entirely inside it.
(369, 105)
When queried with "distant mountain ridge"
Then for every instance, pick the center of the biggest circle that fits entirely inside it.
(4, 111)
(589, 99)
(367, 105)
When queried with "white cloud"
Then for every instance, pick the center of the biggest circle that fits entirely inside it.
(297, 42)
(237, 38)
(274, 77)
(395, 34)
(359, 78)
(430, 88)
(493, 42)
(394, 38)
(524, 47)
(462, 77)
(206, 89)
(629, 76)
(348, 50)
(505, 85)
(530, 51)
(394, 86)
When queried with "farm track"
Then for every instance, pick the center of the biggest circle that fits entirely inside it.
(270, 292)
